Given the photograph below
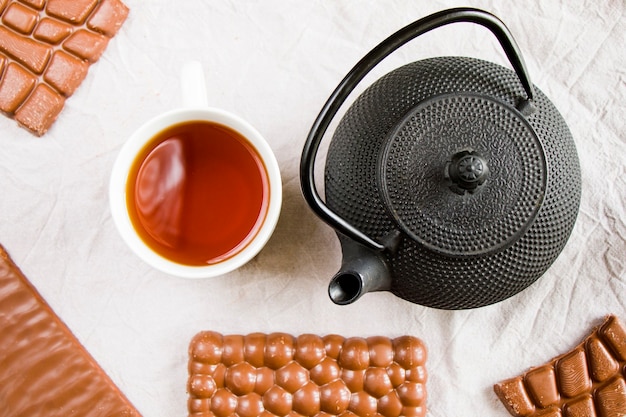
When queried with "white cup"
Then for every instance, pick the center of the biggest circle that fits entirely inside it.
(195, 108)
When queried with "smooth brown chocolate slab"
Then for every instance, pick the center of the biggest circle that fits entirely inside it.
(588, 381)
(53, 42)
(278, 374)
(44, 370)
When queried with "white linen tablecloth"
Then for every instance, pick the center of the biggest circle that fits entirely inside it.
(275, 63)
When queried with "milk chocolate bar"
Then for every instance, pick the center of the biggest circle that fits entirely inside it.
(46, 48)
(588, 381)
(44, 370)
(278, 374)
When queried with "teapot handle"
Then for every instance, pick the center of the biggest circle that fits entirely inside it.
(360, 70)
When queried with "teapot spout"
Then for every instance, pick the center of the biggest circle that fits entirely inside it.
(362, 270)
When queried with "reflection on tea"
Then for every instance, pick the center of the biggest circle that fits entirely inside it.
(198, 193)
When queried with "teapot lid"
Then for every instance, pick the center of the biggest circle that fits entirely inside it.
(463, 174)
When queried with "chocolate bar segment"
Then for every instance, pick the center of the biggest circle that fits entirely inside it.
(20, 18)
(52, 31)
(28, 52)
(72, 11)
(588, 381)
(279, 374)
(44, 370)
(40, 108)
(15, 86)
(86, 45)
(65, 72)
(55, 41)
(108, 17)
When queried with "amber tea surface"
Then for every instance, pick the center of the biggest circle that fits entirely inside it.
(198, 193)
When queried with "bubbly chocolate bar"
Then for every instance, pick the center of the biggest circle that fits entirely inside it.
(46, 48)
(44, 370)
(278, 374)
(588, 381)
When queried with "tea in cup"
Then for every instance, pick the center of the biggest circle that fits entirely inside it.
(196, 192)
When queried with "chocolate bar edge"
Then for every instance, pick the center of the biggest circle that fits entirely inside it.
(4, 255)
(501, 393)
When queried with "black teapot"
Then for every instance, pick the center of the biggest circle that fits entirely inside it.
(452, 182)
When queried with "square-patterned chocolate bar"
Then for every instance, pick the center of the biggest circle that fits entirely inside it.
(279, 374)
(46, 47)
(588, 381)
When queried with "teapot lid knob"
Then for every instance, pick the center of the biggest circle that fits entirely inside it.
(463, 174)
(467, 170)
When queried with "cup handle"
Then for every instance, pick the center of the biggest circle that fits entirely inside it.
(193, 85)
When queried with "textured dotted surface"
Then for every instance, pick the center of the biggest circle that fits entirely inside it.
(46, 47)
(419, 196)
(353, 187)
(279, 374)
(589, 381)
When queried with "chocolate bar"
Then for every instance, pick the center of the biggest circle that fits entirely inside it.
(278, 374)
(44, 370)
(46, 48)
(588, 381)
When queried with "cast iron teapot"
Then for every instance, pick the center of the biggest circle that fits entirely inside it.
(452, 182)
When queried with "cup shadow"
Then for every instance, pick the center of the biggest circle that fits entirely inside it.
(302, 244)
